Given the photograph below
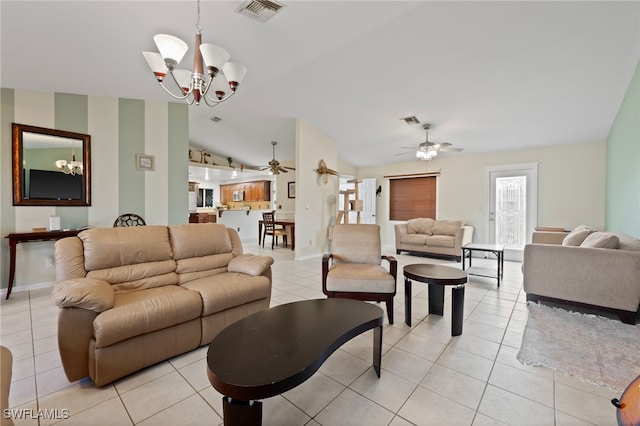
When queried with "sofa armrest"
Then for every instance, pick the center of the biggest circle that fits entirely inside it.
(400, 230)
(250, 264)
(463, 236)
(596, 276)
(548, 237)
(84, 293)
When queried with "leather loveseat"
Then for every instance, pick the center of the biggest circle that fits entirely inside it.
(131, 297)
(586, 268)
(437, 238)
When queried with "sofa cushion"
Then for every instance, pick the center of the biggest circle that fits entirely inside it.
(140, 312)
(627, 242)
(420, 225)
(601, 240)
(228, 290)
(138, 276)
(199, 239)
(360, 278)
(577, 236)
(418, 239)
(446, 227)
(110, 247)
(441, 241)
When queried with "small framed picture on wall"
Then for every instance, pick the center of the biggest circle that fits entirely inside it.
(145, 162)
(291, 191)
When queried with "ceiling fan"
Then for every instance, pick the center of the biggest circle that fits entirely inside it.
(427, 149)
(274, 165)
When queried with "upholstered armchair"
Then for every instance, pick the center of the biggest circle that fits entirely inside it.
(354, 270)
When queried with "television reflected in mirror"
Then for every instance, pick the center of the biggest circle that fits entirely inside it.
(50, 167)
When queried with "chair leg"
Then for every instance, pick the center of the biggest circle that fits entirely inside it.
(390, 310)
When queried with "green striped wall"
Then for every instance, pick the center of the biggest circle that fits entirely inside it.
(119, 129)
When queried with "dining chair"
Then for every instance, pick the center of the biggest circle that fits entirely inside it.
(129, 219)
(270, 228)
(354, 270)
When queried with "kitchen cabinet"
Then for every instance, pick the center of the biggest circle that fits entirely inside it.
(253, 191)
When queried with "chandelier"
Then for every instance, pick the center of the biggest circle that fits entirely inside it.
(72, 167)
(426, 153)
(192, 85)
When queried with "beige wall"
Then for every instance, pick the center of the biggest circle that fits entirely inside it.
(571, 182)
(315, 201)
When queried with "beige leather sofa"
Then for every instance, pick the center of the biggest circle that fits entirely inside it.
(131, 297)
(6, 372)
(437, 238)
(605, 279)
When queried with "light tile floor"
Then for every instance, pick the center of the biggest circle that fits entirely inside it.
(428, 377)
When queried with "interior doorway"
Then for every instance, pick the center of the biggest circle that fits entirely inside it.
(367, 193)
(513, 206)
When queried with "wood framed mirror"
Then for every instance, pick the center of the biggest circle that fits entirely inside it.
(50, 167)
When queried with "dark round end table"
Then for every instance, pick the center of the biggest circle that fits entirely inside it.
(437, 276)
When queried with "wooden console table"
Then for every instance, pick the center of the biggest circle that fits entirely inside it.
(26, 237)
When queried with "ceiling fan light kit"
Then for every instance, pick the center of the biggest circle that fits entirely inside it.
(274, 165)
(428, 150)
(192, 84)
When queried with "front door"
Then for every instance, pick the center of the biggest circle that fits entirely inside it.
(512, 207)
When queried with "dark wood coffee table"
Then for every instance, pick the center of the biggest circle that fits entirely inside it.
(275, 350)
(437, 276)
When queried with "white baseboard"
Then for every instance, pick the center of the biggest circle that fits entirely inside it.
(25, 288)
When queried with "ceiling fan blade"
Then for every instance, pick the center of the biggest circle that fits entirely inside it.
(283, 170)
(450, 149)
(290, 168)
(443, 144)
(403, 153)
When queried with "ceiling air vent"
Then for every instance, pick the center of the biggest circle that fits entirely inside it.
(411, 120)
(260, 10)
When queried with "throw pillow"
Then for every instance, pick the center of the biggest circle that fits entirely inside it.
(421, 225)
(446, 227)
(577, 236)
(601, 240)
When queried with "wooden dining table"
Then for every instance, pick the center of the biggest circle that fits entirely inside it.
(288, 224)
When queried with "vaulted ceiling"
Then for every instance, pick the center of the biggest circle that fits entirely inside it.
(487, 76)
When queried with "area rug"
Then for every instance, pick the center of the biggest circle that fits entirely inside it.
(592, 348)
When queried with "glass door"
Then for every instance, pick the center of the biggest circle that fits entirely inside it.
(512, 207)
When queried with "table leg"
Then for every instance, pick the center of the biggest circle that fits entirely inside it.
(407, 301)
(464, 256)
(457, 309)
(12, 265)
(377, 349)
(259, 233)
(436, 299)
(293, 237)
(499, 259)
(240, 413)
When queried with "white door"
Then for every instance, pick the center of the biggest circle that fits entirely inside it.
(368, 194)
(512, 212)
